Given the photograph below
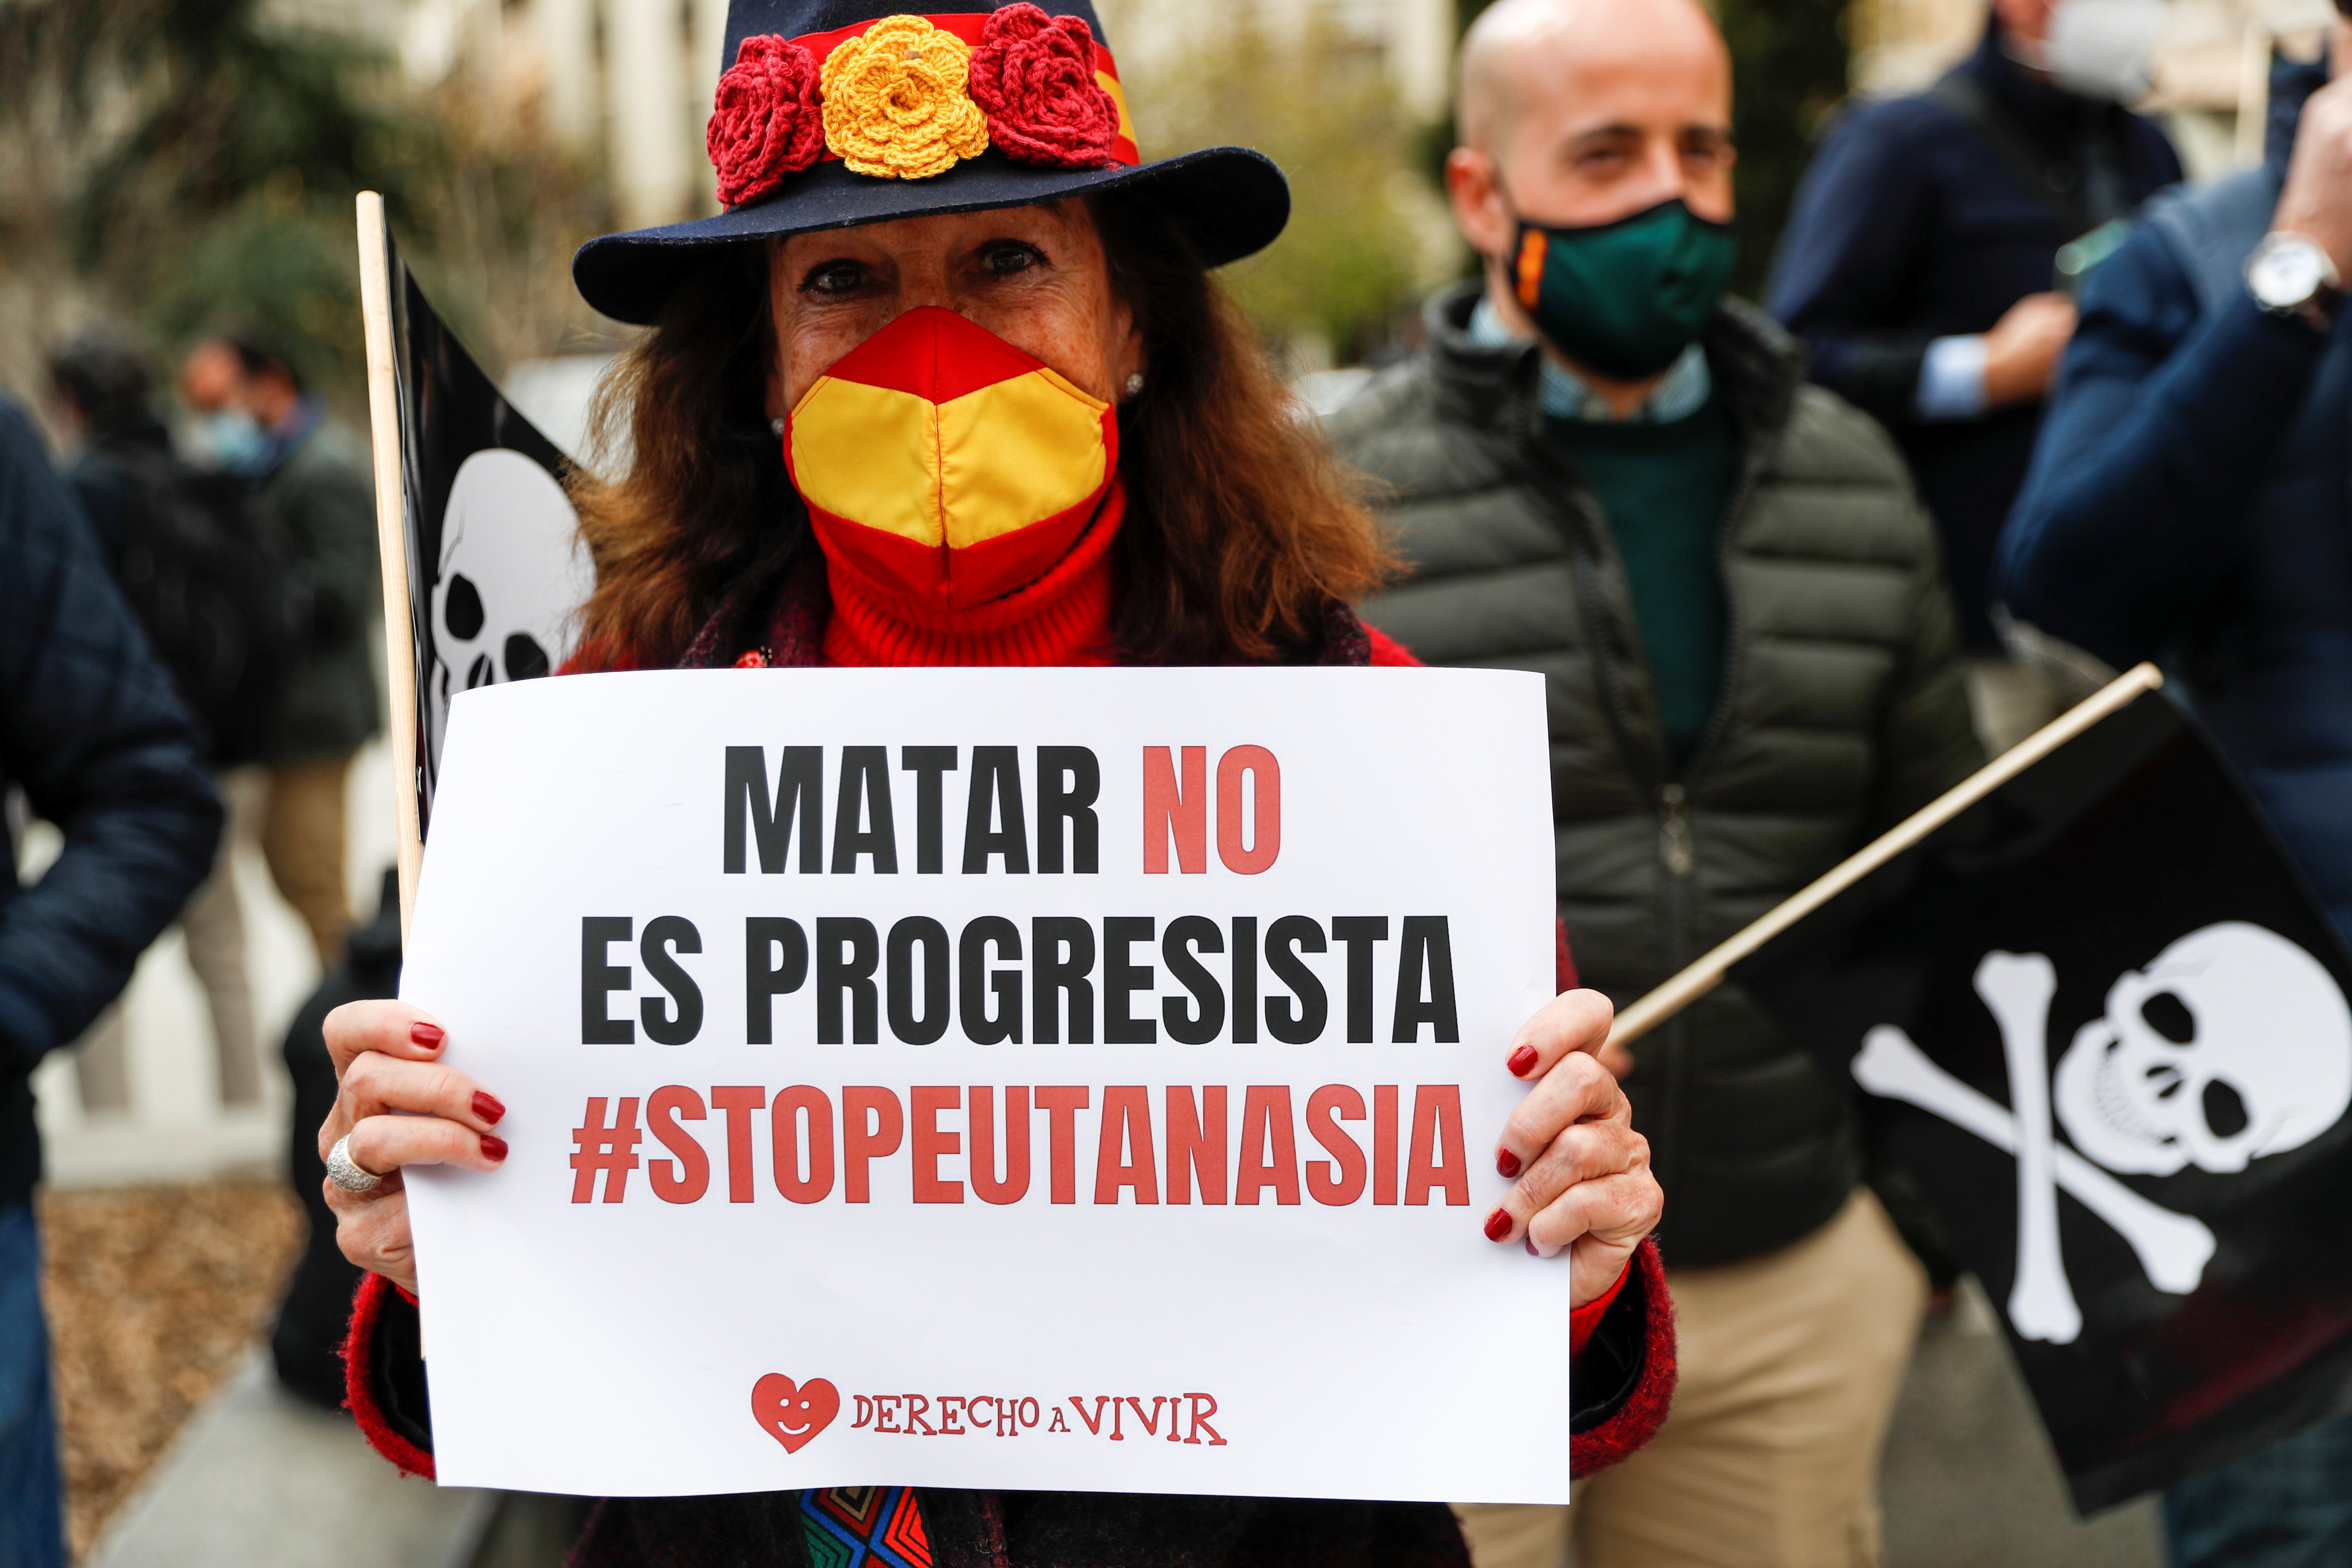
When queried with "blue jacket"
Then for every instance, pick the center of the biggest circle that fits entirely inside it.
(92, 733)
(1911, 225)
(2191, 500)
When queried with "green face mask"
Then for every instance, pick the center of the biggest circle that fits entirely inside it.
(1624, 298)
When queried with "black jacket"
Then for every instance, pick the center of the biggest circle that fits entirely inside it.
(91, 730)
(320, 500)
(1912, 225)
(1842, 712)
(307, 1344)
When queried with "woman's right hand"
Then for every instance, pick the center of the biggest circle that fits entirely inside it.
(388, 1059)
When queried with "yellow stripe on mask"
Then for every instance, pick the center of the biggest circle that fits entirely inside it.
(1011, 453)
(871, 455)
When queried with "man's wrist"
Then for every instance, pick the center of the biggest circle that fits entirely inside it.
(2290, 275)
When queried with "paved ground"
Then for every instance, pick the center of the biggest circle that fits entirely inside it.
(155, 1294)
(262, 1480)
(1969, 1480)
(180, 1449)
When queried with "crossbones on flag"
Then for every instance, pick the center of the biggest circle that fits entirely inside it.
(2107, 1023)
(494, 566)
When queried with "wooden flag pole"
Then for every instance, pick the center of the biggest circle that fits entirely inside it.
(392, 537)
(1707, 973)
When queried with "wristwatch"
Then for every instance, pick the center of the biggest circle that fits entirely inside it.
(2290, 275)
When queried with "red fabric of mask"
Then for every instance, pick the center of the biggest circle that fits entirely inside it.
(945, 466)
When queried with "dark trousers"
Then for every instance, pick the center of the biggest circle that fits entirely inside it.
(2289, 1506)
(32, 1490)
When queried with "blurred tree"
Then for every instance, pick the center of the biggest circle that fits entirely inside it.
(1366, 233)
(191, 160)
(1789, 61)
(1790, 66)
(275, 260)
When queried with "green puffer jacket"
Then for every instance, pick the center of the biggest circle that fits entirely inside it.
(1841, 712)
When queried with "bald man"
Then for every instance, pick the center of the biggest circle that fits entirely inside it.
(1602, 469)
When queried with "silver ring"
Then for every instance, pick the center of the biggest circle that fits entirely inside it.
(345, 1173)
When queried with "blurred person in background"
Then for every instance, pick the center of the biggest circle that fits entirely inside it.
(306, 1345)
(92, 732)
(189, 551)
(2191, 501)
(1602, 469)
(318, 492)
(1920, 267)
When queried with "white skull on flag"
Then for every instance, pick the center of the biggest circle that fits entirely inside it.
(513, 573)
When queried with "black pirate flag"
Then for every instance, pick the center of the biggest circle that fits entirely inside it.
(494, 567)
(2108, 1021)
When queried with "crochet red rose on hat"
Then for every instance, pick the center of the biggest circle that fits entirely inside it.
(765, 124)
(1033, 75)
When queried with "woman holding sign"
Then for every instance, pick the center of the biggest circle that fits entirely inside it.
(948, 383)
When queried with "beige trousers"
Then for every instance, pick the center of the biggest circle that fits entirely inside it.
(303, 838)
(1788, 1369)
(214, 924)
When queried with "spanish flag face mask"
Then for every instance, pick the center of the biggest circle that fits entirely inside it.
(938, 460)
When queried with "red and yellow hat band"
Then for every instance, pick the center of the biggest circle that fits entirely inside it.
(944, 462)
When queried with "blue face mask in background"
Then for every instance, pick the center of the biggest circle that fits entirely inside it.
(235, 440)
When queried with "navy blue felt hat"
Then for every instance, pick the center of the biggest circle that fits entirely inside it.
(1228, 201)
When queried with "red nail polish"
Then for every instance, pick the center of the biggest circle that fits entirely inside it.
(1507, 1163)
(1533, 1250)
(494, 1148)
(429, 1036)
(1498, 1224)
(1522, 1060)
(486, 1107)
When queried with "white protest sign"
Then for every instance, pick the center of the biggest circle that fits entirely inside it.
(1073, 1079)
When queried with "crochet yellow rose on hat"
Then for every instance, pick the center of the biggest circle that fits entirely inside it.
(895, 101)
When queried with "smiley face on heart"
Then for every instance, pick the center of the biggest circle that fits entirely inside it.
(793, 1413)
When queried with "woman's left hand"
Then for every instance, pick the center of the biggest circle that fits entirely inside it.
(1583, 1173)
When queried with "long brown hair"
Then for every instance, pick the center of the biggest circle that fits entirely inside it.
(1241, 529)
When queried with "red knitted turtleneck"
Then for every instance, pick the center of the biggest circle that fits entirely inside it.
(1064, 617)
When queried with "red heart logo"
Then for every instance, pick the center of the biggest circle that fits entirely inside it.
(793, 1413)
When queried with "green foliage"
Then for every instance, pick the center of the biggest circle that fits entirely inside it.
(192, 161)
(1321, 107)
(285, 266)
(1790, 69)
(238, 109)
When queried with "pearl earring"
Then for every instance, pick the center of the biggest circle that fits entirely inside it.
(776, 425)
(1135, 383)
